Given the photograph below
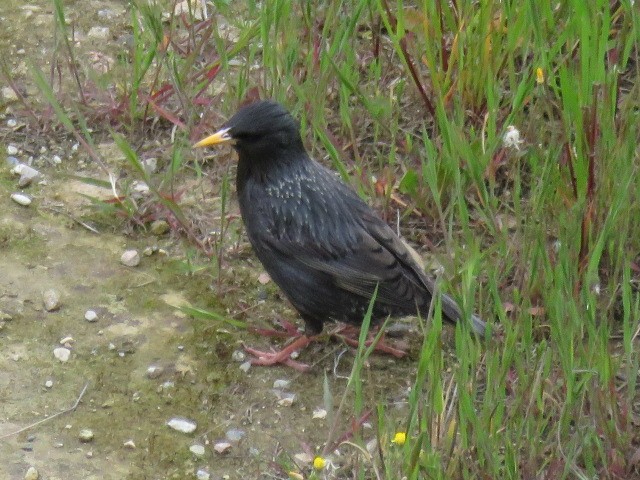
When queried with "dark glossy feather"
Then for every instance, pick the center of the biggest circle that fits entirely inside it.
(324, 247)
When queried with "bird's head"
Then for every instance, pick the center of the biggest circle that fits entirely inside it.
(262, 131)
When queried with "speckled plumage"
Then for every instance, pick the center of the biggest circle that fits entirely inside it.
(320, 243)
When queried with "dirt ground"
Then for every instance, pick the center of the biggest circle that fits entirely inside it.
(139, 327)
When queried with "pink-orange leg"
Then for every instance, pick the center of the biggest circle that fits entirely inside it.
(350, 335)
(282, 356)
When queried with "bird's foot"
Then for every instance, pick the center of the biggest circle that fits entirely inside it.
(350, 335)
(282, 356)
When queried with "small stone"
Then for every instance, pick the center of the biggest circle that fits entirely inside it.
(61, 353)
(281, 383)
(286, 399)
(159, 227)
(264, 278)
(67, 341)
(150, 165)
(27, 174)
(189, 7)
(238, 356)
(91, 316)
(182, 424)
(245, 366)
(234, 435)
(12, 162)
(12, 150)
(51, 300)
(32, 474)
(130, 444)
(303, 458)
(21, 199)
(140, 187)
(99, 33)
(86, 435)
(130, 258)
(202, 474)
(12, 122)
(48, 384)
(154, 371)
(319, 414)
(197, 450)
(9, 94)
(89, 454)
(222, 447)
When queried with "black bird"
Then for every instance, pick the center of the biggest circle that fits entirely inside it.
(318, 240)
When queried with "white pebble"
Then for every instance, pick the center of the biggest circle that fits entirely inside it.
(48, 383)
(154, 371)
(62, 354)
(140, 187)
(27, 174)
(12, 150)
(56, 159)
(183, 425)
(12, 122)
(202, 474)
(32, 474)
(21, 199)
(238, 356)
(130, 444)
(91, 316)
(287, 399)
(51, 300)
(281, 383)
(234, 435)
(245, 366)
(304, 458)
(100, 33)
(85, 435)
(130, 258)
(222, 447)
(319, 414)
(197, 450)
(8, 94)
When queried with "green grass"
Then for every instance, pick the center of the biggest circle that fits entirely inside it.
(542, 239)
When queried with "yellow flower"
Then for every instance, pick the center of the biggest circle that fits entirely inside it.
(319, 463)
(539, 75)
(399, 438)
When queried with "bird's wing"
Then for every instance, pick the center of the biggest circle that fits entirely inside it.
(373, 256)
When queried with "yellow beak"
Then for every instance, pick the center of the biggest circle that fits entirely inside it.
(221, 136)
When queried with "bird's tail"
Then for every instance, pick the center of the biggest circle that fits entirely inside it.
(452, 312)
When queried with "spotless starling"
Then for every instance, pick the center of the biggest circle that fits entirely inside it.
(318, 240)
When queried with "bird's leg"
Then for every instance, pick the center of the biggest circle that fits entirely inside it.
(349, 335)
(282, 356)
(289, 330)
